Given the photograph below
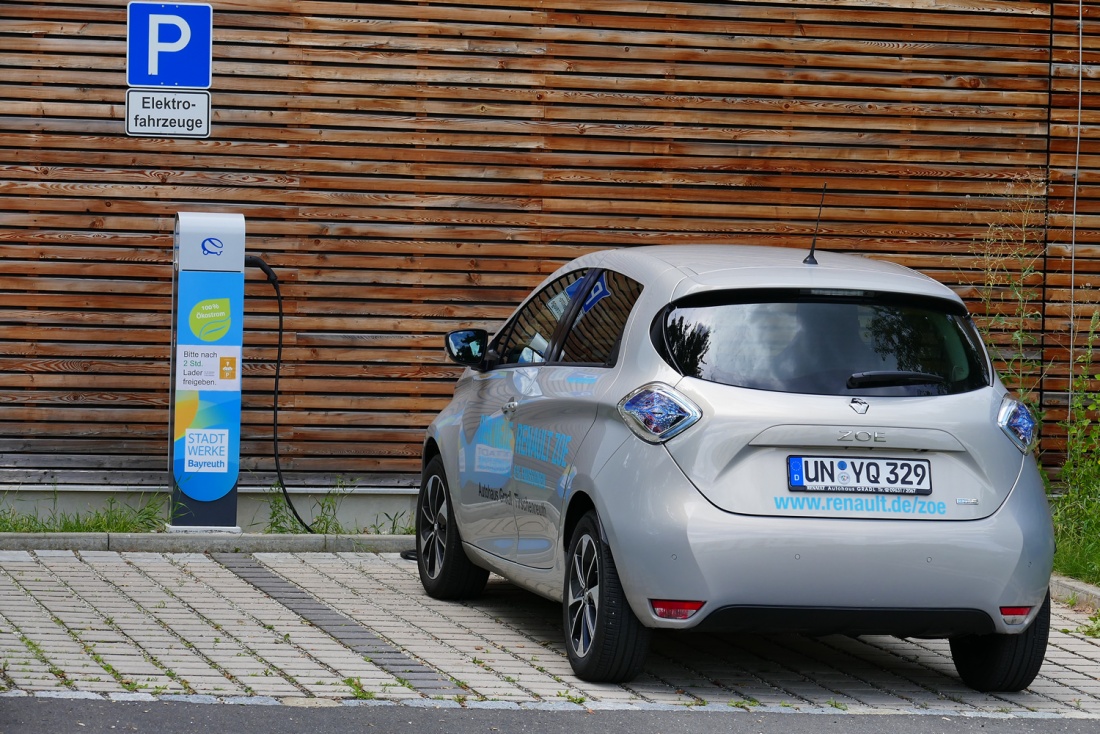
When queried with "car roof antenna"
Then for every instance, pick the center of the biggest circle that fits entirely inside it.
(810, 259)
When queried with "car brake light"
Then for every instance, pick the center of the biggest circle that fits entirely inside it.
(656, 412)
(673, 609)
(1018, 424)
(1015, 615)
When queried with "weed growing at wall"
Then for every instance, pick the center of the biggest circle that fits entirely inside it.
(279, 517)
(325, 520)
(1009, 259)
(1077, 507)
(398, 523)
(150, 516)
(326, 515)
(327, 509)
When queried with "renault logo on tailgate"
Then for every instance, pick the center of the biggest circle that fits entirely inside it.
(859, 405)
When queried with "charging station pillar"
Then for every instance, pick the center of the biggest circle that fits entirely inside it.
(207, 334)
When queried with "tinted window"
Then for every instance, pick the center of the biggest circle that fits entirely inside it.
(595, 335)
(792, 342)
(526, 339)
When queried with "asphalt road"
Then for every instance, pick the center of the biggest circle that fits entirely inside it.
(34, 715)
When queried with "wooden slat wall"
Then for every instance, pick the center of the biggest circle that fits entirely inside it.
(1073, 265)
(413, 167)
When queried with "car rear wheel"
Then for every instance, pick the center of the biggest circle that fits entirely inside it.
(1003, 662)
(445, 570)
(604, 640)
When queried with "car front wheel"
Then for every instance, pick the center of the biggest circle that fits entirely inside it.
(1003, 662)
(445, 570)
(604, 640)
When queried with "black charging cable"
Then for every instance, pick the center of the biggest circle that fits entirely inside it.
(255, 261)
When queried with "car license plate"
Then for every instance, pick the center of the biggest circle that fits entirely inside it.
(860, 474)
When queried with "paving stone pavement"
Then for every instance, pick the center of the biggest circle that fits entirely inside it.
(357, 629)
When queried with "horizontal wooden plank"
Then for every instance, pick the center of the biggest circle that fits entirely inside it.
(554, 151)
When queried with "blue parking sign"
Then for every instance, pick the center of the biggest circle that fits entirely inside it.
(169, 45)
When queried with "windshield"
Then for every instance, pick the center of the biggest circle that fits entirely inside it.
(796, 341)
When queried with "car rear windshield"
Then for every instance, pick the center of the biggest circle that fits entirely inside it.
(824, 342)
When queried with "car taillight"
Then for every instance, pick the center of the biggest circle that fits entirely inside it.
(1015, 615)
(1018, 424)
(675, 609)
(657, 412)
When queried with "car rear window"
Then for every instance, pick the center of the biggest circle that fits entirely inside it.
(824, 343)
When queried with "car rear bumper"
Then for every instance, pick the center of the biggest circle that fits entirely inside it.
(920, 622)
(813, 574)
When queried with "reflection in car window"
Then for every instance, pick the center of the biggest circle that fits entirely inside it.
(826, 346)
(596, 332)
(526, 338)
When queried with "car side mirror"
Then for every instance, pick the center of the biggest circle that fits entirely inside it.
(467, 346)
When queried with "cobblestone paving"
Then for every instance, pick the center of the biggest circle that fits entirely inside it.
(139, 626)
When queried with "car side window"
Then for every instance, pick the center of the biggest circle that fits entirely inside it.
(526, 339)
(595, 335)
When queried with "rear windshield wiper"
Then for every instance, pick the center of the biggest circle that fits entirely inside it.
(890, 378)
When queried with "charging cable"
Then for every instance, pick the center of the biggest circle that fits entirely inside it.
(255, 261)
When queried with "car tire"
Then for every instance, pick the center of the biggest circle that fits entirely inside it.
(603, 638)
(445, 570)
(1000, 662)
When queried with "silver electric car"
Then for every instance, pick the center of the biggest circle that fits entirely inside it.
(742, 438)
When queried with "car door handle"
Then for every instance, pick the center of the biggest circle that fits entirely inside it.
(509, 407)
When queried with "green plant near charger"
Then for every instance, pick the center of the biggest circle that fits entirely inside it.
(279, 517)
(397, 523)
(324, 519)
(116, 517)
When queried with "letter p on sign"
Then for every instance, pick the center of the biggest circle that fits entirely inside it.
(169, 45)
(158, 46)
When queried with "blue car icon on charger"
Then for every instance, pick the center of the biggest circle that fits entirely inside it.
(212, 246)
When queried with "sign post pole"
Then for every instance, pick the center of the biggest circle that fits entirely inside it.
(207, 335)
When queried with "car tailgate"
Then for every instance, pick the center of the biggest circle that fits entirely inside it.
(758, 452)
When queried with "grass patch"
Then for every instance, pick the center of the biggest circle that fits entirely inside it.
(281, 519)
(398, 523)
(357, 689)
(1077, 558)
(572, 697)
(115, 517)
(325, 515)
(1077, 508)
(1092, 629)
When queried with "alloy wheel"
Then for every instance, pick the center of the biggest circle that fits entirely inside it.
(583, 595)
(433, 526)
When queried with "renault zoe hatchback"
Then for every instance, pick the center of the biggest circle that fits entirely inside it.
(744, 439)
